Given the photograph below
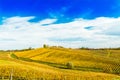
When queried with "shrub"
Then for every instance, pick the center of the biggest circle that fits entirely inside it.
(69, 65)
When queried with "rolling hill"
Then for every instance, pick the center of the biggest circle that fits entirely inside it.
(86, 64)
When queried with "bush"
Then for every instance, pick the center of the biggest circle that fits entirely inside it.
(69, 65)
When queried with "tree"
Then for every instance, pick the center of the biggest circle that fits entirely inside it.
(45, 46)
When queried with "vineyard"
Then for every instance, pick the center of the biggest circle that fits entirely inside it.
(92, 60)
(60, 64)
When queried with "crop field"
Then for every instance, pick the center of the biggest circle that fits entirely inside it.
(90, 60)
(60, 64)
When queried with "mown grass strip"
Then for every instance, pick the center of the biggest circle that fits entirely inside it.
(61, 66)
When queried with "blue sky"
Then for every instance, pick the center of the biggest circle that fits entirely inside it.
(69, 23)
(61, 9)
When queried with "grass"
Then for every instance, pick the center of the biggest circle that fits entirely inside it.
(85, 60)
(50, 64)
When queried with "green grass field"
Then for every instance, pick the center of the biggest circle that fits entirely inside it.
(60, 64)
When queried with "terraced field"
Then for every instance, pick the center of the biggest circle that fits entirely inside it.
(50, 64)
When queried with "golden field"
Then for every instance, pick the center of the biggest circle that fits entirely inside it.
(51, 64)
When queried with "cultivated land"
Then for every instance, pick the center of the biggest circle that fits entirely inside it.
(60, 64)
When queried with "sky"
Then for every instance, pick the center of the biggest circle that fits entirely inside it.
(68, 23)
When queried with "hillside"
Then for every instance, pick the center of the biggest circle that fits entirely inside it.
(87, 64)
(15, 69)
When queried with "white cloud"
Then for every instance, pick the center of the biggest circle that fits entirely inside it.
(19, 32)
(47, 21)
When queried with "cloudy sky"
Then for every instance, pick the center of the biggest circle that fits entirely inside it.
(68, 23)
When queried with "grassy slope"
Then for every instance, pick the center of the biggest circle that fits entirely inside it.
(30, 70)
(82, 59)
